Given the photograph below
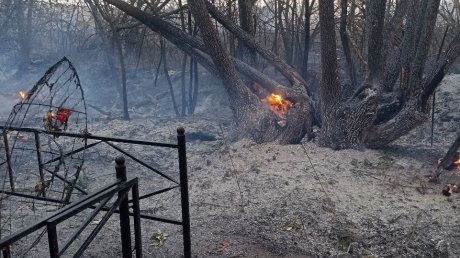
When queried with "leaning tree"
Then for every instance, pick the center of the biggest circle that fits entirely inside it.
(391, 98)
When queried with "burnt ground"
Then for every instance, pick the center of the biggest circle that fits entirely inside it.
(252, 200)
(267, 200)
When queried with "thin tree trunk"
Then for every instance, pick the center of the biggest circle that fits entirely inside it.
(306, 50)
(121, 58)
(275, 39)
(24, 24)
(247, 23)
(346, 42)
(184, 67)
(168, 78)
(194, 74)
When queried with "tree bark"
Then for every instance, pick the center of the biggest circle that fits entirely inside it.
(251, 116)
(330, 89)
(345, 124)
(124, 92)
(344, 38)
(24, 24)
(246, 15)
(168, 78)
(451, 154)
(306, 44)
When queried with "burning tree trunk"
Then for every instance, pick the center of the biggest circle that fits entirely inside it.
(253, 118)
(452, 156)
(361, 119)
(345, 123)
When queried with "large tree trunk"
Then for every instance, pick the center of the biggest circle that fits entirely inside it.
(252, 116)
(347, 121)
(345, 124)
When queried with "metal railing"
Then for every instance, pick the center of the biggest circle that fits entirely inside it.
(121, 187)
(101, 198)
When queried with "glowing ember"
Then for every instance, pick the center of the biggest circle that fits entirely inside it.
(457, 162)
(22, 94)
(278, 105)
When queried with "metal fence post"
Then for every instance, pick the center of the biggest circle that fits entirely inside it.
(6, 252)
(125, 230)
(52, 240)
(184, 192)
(137, 220)
(8, 159)
(40, 163)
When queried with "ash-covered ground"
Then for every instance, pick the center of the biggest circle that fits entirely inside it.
(270, 200)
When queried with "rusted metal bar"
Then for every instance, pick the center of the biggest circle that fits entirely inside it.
(6, 252)
(184, 192)
(89, 202)
(156, 192)
(52, 240)
(7, 241)
(73, 152)
(160, 219)
(40, 163)
(84, 224)
(66, 181)
(33, 197)
(99, 226)
(137, 221)
(8, 160)
(124, 210)
(141, 162)
(91, 136)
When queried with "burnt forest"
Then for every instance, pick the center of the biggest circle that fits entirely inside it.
(230, 128)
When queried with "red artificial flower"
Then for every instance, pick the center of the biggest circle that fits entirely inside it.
(63, 114)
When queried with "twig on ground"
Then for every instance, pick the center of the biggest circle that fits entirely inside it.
(233, 166)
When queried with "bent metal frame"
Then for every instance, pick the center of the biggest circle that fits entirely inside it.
(121, 187)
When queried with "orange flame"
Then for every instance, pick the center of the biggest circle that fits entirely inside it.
(278, 105)
(22, 94)
(457, 162)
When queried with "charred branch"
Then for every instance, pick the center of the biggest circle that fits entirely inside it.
(451, 154)
(192, 45)
(288, 71)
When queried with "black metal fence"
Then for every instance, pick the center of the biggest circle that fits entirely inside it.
(102, 196)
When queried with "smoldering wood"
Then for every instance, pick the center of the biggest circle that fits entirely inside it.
(378, 117)
(451, 155)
